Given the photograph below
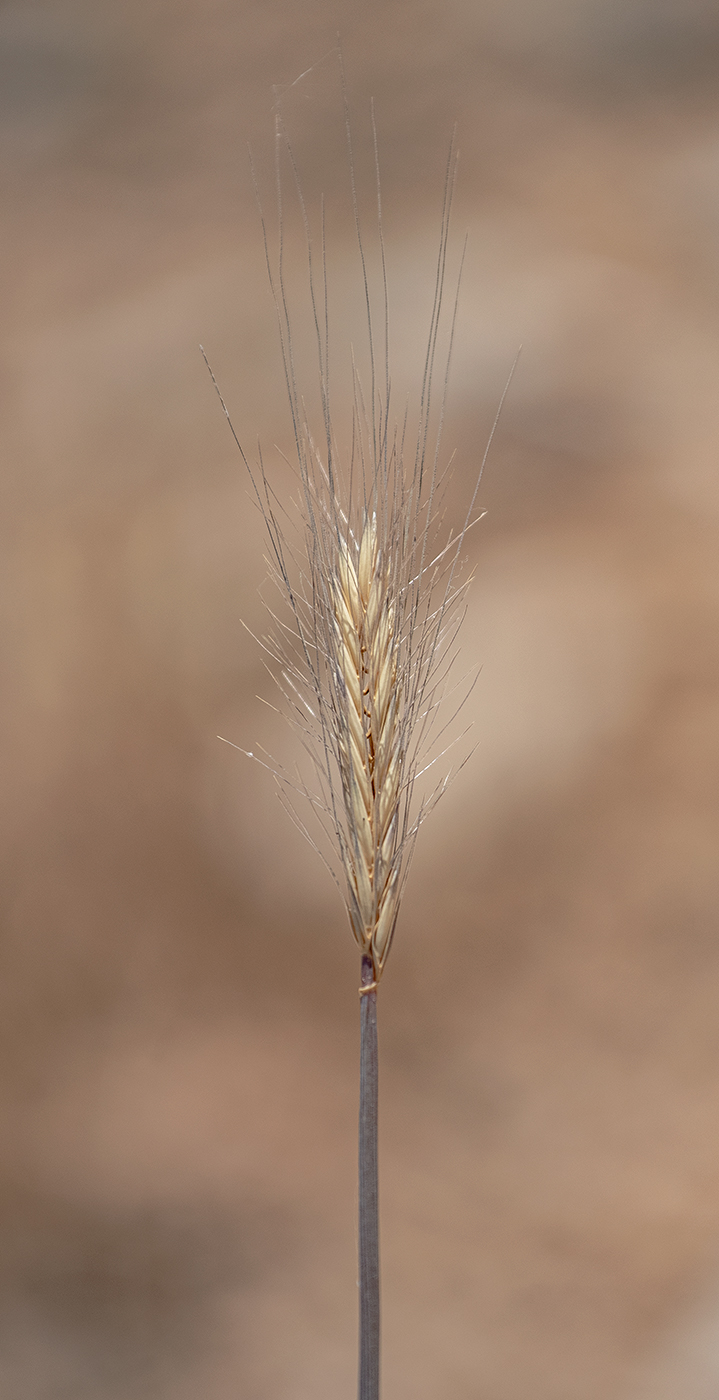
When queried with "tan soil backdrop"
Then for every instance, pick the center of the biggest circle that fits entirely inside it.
(179, 985)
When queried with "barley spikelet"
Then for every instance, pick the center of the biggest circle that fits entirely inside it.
(370, 749)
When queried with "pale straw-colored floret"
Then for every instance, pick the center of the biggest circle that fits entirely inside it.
(369, 742)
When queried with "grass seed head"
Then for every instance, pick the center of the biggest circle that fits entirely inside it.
(373, 596)
(367, 735)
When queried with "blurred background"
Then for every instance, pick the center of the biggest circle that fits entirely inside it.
(179, 985)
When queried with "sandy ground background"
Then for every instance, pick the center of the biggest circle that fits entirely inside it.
(179, 1004)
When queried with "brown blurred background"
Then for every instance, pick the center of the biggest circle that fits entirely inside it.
(179, 986)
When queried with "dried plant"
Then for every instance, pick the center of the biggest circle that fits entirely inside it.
(365, 648)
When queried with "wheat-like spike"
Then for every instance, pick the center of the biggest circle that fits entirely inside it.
(372, 591)
(370, 751)
(364, 651)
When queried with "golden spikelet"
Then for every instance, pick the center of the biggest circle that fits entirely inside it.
(370, 749)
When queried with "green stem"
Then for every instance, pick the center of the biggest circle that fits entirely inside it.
(368, 1388)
